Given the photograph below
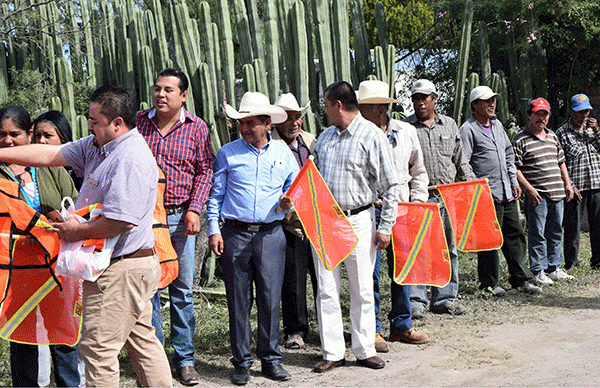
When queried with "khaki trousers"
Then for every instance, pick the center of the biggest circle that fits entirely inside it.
(117, 312)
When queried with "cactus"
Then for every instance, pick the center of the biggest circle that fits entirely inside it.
(495, 82)
(391, 69)
(81, 127)
(227, 54)
(3, 74)
(380, 64)
(249, 80)
(255, 30)
(208, 45)
(503, 109)
(463, 60)
(208, 111)
(243, 31)
(320, 14)
(362, 53)
(484, 47)
(64, 88)
(341, 38)
(89, 45)
(382, 28)
(260, 76)
(272, 50)
(472, 84)
(56, 104)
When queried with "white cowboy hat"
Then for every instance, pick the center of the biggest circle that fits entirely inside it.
(287, 101)
(374, 92)
(256, 104)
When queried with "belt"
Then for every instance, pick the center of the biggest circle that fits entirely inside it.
(142, 252)
(174, 209)
(357, 210)
(253, 227)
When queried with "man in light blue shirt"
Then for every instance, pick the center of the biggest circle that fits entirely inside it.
(251, 176)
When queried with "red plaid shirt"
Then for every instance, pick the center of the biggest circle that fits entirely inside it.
(185, 154)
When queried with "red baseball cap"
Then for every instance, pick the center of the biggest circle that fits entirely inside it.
(539, 104)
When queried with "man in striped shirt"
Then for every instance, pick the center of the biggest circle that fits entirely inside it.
(181, 145)
(580, 139)
(542, 173)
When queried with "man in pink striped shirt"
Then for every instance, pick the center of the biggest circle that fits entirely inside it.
(180, 142)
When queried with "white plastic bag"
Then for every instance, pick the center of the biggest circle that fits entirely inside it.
(78, 261)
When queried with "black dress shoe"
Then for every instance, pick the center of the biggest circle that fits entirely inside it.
(240, 376)
(275, 372)
(372, 362)
(325, 365)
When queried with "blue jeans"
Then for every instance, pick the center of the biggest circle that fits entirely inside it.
(439, 296)
(25, 365)
(544, 222)
(399, 316)
(181, 296)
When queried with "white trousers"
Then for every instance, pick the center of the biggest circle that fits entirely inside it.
(359, 266)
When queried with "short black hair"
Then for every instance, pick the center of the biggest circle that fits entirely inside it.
(116, 101)
(18, 115)
(172, 72)
(58, 121)
(344, 92)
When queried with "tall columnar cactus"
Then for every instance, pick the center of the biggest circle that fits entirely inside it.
(208, 45)
(89, 44)
(320, 15)
(380, 64)
(64, 88)
(495, 82)
(208, 111)
(503, 108)
(161, 34)
(81, 127)
(272, 49)
(341, 38)
(243, 31)
(255, 29)
(525, 77)
(56, 104)
(249, 78)
(472, 84)
(362, 54)
(484, 47)
(260, 76)
(390, 57)
(227, 53)
(146, 76)
(465, 45)
(300, 70)
(382, 27)
(3, 74)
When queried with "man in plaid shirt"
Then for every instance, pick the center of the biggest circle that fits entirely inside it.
(180, 142)
(581, 143)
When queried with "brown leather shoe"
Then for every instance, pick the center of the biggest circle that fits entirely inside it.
(372, 362)
(411, 336)
(188, 375)
(380, 345)
(325, 365)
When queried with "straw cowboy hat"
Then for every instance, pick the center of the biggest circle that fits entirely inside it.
(287, 101)
(374, 92)
(256, 104)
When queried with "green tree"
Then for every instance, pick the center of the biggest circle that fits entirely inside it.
(407, 20)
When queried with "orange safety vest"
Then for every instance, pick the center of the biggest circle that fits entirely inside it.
(36, 306)
(169, 265)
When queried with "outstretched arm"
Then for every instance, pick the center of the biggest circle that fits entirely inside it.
(33, 155)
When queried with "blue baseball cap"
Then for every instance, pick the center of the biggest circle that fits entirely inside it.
(580, 102)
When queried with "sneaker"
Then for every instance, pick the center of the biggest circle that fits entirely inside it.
(380, 345)
(529, 288)
(417, 313)
(494, 291)
(411, 336)
(541, 279)
(559, 274)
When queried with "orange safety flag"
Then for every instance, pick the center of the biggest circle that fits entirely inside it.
(36, 305)
(472, 215)
(325, 225)
(169, 265)
(419, 245)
